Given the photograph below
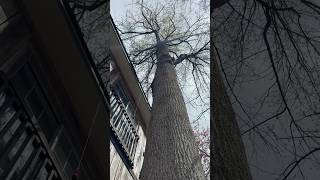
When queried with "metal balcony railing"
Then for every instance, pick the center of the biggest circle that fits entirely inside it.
(122, 127)
(23, 154)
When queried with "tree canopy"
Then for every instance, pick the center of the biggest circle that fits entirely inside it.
(187, 35)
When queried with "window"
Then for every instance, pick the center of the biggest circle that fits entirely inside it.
(29, 90)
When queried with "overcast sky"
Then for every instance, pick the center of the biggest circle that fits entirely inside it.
(118, 8)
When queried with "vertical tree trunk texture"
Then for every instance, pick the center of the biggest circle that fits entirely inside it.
(229, 157)
(171, 152)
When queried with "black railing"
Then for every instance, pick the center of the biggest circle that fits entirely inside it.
(121, 123)
(23, 154)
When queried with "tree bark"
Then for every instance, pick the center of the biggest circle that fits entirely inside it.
(229, 156)
(171, 151)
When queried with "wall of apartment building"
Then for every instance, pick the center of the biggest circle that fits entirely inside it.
(118, 168)
(101, 33)
(28, 78)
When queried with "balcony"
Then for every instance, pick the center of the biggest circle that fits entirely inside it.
(23, 153)
(95, 30)
(123, 131)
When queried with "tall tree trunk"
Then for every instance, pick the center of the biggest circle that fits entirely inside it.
(171, 152)
(229, 157)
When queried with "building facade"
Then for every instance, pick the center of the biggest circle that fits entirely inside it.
(54, 109)
(63, 91)
(130, 114)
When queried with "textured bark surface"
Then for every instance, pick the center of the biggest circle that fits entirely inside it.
(229, 156)
(171, 152)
